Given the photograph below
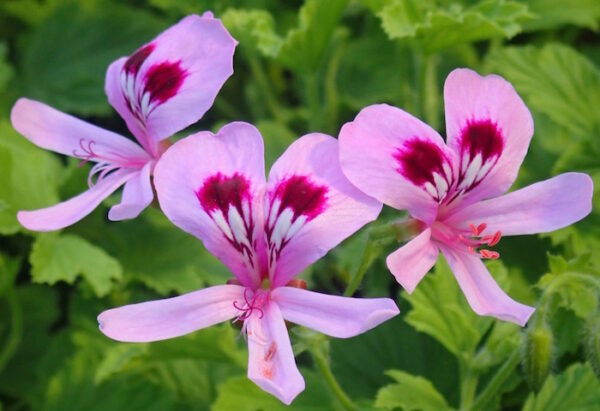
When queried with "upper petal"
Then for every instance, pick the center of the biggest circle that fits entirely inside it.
(271, 363)
(340, 317)
(69, 212)
(541, 207)
(137, 195)
(171, 317)
(489, 127)
(50, 129)
(483, 293)
(173, 80)
(412, 261)
(211, 186)
(310, 206)
(398, 159)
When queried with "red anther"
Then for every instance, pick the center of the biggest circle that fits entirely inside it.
(471, 249)
(473, 228)
(492, 255)
(495, 239)
(233, 281)
(297, 284)
(481, 227)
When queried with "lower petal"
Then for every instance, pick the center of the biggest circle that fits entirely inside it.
(340, 317)
(412, 261)
(171, 317)
(137, 195)
(538, 208)
(271, 363)
(71, 211)
(483, 293)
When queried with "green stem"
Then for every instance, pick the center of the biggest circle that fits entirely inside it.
(468, 385)
(313, 100)
(323, 367)
(370, 253)
(491, 389)
(263, 82)
(430, 96)
(14, 338)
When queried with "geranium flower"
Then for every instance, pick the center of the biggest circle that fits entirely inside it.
(454, 190)
(160, 89)
(265, 232)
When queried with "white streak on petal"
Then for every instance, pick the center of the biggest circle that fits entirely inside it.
(145, 104)
(296, 226)
(237, 225)
(282, 226)
(441, 185)
(484, 169)
(246, 211)
(447, 171)
(465, 162)
(274, 212)
(219, 220)
(471, 172)
(431, 189)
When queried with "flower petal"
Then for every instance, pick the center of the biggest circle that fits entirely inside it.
(483, 293)
(310, 206)
(340, 317)
(489, 127)
(50, 129)
(211, 186)
(172, 81)
(171, 317)
(271, 363)
(412, 261)
(396, 158)
(541, 207)
(71, 211)
(137, 195)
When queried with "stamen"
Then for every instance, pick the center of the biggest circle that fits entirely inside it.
(492, 255)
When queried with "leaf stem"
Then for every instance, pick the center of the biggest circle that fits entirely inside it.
(496, 382)
(323, 366)
(263, 82)
(14, 338)
(468, 384)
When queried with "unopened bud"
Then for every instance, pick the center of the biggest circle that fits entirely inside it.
(592, 342)
(538, 347)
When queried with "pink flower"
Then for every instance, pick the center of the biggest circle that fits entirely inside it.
(160, 89)
(265, 232)
(455, 190)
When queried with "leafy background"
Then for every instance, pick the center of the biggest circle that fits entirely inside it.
(300, 67)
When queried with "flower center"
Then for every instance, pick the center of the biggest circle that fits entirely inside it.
(472, 238)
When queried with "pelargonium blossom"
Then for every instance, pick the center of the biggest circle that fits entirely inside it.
(265, 232)
(160, 89)
(455, 190)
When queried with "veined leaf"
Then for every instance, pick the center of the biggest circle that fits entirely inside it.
(411, 393)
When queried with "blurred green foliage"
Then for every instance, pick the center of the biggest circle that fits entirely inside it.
(300, 67)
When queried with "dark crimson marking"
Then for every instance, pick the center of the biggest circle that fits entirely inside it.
(135, 61)
(164, 80)
(302, 196)
(219, 192)
(419, 159)
(482, 137)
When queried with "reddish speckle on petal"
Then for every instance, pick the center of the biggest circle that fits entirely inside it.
(302, 196)
(219, 192)
(135, 61)
(164, 80)
(482, 137)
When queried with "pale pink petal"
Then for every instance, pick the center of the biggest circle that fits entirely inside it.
(341, 317)
(71, 211)
(538, 208)
(396, 158)
(483, 293)
(271, 363)
(50, 129)
(171, 317)
(211, 186)
(173, 80)
(137, 195)
(412, 261)
(310, 206)
(489, 127)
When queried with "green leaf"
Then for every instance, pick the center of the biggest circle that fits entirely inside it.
(9, 268)
(65, 257)
(254, 29)
(441, 310)
(436, 28)
(277, 138)
(241, 394)
(551, 14)
(6, 71)
(555, 80)
(410, 393)
(29, 178)
(304, 46)
(577, 388)
(72, 78)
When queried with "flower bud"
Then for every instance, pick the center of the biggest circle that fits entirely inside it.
(538, 347)
(592, 342)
